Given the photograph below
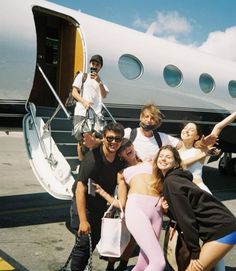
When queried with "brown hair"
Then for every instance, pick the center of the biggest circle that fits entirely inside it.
(116, 127)
(155, 111)
(157, 172)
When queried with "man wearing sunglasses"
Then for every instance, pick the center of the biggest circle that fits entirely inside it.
(100, 165)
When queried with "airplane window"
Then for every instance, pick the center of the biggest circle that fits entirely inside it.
(173, 76)
(206, 82)
(130, 67)
(232, 88)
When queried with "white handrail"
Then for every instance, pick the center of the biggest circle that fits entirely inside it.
(53, 91)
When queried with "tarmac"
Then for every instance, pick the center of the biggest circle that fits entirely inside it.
(33, 235)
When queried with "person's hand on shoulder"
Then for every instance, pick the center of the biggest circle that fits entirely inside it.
(211, 139)
(206, 141)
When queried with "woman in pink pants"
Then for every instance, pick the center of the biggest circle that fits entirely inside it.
(143, 210)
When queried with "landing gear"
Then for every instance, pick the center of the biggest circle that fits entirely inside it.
(227, 164)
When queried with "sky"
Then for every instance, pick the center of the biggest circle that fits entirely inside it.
(209, 25)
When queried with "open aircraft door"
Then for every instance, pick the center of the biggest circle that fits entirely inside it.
(51, 148)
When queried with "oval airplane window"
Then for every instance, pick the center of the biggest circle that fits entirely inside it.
(232, 88)
(206, 82)
(130, 67)
(173, 76)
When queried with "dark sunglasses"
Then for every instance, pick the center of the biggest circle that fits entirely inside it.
(123, 147)
(117, 139)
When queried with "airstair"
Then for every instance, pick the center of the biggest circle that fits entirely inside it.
(51, 147)
(52, 150)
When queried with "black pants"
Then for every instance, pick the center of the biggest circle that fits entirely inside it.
(81, 253)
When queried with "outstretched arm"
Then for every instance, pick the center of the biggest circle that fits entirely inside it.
(221, 125)
(122, 192)
(200, 156)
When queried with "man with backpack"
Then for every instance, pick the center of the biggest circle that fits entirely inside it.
(146, 138)
(88, 90)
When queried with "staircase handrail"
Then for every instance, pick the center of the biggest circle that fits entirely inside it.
(109, 113)
(53, 92)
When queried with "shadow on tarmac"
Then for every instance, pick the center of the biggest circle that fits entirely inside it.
(32, 209)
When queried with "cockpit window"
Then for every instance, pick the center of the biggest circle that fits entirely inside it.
(232, 88)
(130, 66)
(173, 76)
(206, 82)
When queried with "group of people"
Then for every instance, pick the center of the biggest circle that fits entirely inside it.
(148, 168)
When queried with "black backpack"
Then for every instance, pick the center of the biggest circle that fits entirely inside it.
(71, 101)
(133, 135)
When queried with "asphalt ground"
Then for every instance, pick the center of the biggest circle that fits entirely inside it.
(33, 235)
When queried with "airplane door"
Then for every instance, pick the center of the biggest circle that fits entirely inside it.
(56, 52)
(48, 51)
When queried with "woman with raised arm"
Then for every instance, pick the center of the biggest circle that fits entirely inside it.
(193, 158)
(204, 218)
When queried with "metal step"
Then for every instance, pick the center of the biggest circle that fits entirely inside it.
(61, 131)
(68, 149)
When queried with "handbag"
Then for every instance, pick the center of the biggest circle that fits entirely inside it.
(89, 265)
(99, 125)
(176, 251)
(114, 234)
(91, 123)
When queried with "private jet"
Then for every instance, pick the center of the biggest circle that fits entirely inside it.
(43, 45)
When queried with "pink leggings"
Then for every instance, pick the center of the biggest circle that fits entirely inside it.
(144, 221)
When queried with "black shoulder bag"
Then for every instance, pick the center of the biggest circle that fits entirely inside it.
(71, 101)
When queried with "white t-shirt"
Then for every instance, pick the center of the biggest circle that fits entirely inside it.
(195, 168)
(147, 147)
(91, 92)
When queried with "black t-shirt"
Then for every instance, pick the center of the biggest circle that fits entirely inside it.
(95, 166)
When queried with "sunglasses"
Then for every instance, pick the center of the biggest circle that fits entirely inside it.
(117, 139)
(126, 145)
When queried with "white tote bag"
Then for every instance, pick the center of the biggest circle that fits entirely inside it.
(114, 234)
